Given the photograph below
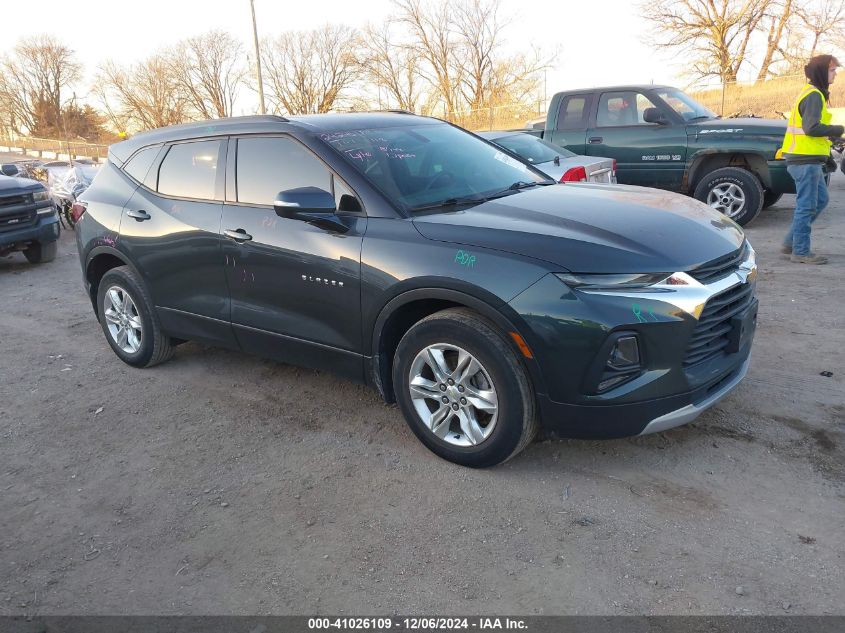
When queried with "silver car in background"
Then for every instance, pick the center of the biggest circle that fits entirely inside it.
(554, 161)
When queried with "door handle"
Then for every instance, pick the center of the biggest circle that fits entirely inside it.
(140, 215)
(594, 140)
(239, 235)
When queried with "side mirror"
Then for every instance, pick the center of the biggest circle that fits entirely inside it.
(10, 170)
(312, 205)
(654, 115)
(292, 203)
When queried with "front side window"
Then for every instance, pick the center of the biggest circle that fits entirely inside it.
(617, 109)
(190, 170)
(268, 165)
(534, 150)
(427, 164)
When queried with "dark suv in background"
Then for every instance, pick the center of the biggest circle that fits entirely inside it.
(28, 220)
(407, 253)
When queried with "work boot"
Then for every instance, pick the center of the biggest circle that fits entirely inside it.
(786, 249)
(812, 258)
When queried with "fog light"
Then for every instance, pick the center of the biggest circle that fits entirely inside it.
(625, 354)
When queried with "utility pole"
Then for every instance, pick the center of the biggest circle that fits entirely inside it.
(257, 59)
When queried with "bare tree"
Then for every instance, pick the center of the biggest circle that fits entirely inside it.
(716, 32)
(390, 66)
(824, 21)
(32, 79)
(779, 21)
(434, 41)
(308, 71)
(209, 70)
(146, 95)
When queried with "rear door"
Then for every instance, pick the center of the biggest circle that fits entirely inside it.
(570, 128)
(171, 231)
(647, 154)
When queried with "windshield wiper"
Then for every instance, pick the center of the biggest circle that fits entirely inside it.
(702, 116)
(519, 185)
(449, 202)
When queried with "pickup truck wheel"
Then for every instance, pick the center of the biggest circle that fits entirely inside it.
(41, 253)
(734, 191)
(128, 320)
(462, 389)
(770, 198)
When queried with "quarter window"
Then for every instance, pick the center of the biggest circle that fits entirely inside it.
(266, 166)
(190, 170)
(140, 163)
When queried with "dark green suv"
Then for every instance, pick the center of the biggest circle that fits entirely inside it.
(661, 137)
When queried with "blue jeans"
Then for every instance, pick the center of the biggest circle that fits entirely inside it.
(810, 201)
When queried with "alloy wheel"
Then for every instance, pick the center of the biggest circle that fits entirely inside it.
(727, 198)
(453, 395)
(123, 319)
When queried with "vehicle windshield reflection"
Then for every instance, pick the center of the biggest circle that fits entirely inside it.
(685, 105)
(430, 165)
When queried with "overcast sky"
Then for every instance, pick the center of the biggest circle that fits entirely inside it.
(600, 43)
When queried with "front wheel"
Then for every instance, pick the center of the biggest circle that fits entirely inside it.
(463, 390)
(734, 191)
(41, 252)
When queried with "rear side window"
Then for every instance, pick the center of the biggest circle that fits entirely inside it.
(266, 166)
(140, 163)
(190, 170)
(573, 112)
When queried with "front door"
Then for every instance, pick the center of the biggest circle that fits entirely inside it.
(295, 287)
(647, 154)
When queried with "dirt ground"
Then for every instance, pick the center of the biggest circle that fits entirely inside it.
(221, 483)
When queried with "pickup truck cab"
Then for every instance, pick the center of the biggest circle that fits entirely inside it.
(661, 137)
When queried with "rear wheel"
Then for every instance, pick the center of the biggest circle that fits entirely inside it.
(734, 191)
(462, 389)
(40, 252)
(128, 320)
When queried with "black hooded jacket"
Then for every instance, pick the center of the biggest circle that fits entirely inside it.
(810, 109)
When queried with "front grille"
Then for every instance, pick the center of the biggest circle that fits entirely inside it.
(711, 333)
(722, 267)
(11, 201)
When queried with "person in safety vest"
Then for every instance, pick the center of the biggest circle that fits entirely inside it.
(806, 148)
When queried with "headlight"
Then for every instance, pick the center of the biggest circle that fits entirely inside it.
(634, 280)
(40, 196)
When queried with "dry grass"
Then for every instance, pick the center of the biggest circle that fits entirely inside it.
(768, 99)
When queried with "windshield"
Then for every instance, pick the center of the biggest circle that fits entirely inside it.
(534, 150)
(424, 165)
(684, 105)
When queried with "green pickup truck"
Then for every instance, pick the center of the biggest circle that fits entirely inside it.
(661, 137)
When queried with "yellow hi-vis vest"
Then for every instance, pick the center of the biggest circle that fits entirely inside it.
(795, 141)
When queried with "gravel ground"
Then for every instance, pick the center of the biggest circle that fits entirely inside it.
(221, 483)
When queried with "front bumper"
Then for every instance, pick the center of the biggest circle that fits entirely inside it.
(637, 418)
(46, 229)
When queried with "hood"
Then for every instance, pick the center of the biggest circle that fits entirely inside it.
(8, 183)
(591, 228)
(745, 126)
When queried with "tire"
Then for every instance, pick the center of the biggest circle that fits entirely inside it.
(742, 190)
(41, 252)
(146, 345)
(770, 198)
(500, 377)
